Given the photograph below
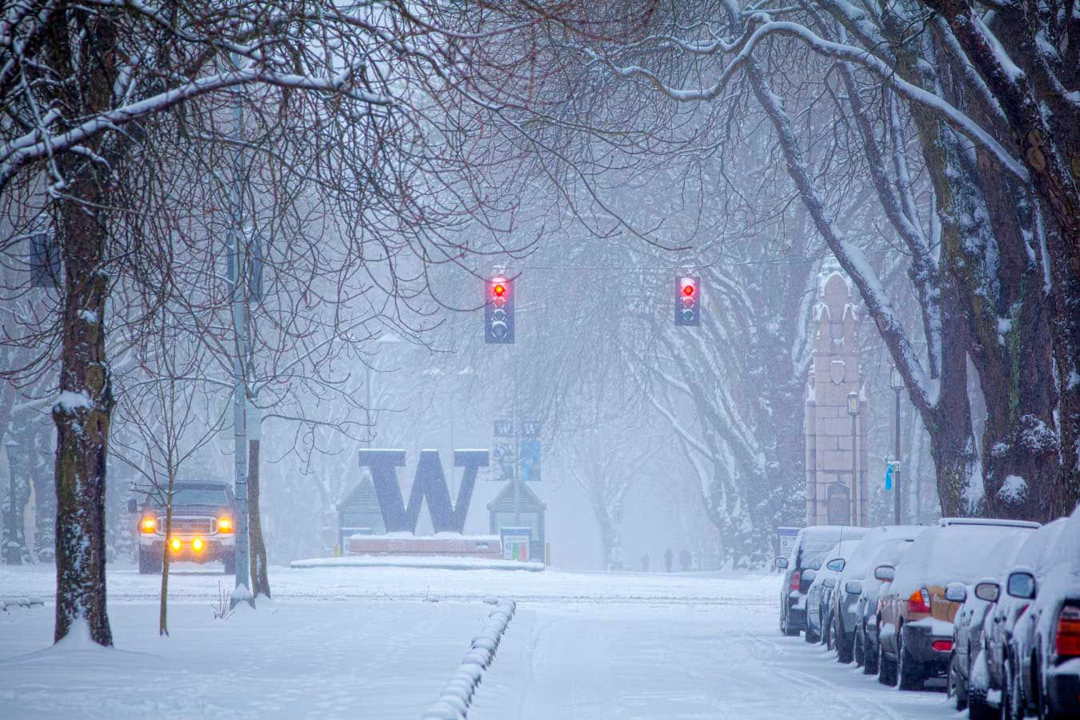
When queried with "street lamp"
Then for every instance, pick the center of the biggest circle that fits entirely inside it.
(896, 380)
(853, 411)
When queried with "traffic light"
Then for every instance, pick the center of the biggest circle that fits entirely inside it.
(499, 311)
(688, 300)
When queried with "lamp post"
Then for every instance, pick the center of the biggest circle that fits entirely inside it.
(853, 411)
(897, 383)
(11, 548)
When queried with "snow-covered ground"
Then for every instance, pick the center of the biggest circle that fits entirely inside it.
(370, 643)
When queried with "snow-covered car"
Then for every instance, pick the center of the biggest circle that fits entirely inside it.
(916, 625)
(858, 568)
(1043, 652)
(1033, 557)
(202, 531)
(978, 599)
(810, 547)
(868, 610)
(818, 597)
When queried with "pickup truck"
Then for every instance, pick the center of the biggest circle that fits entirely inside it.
(203, 526)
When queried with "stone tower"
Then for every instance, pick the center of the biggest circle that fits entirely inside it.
(836, 482)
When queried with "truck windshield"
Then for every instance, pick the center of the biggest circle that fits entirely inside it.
(200, 495)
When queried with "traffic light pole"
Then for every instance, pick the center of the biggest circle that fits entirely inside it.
(897, 507)
(517, 442)
(241, 591)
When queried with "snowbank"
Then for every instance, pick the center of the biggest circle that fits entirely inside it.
(429, 563)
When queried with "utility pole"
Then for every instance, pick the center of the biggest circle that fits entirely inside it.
(241, 591)
(853, 411)
(897, 383)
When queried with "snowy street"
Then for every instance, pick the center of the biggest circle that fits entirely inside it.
(372, 643)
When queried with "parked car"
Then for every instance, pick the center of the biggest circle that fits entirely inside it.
(868, 609)
(1010, 627)
(819, 596)
(801, 566)
(916, 629)
(203, 513)
(844, 604)
(1046, 641)
(978, 599)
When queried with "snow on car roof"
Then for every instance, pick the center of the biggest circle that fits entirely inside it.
(1037, 552)
(950, 553)
(861, 563)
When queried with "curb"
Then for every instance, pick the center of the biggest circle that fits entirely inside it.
(456, 697)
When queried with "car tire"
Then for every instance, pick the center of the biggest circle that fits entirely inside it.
(845, 653)
(1042, 708)
(957, 688)
(886, 667)
(1012, 696)
(149, 562)
(809, 635)
(909, 670)
(978, 706)
(857, 652)
(229, 561)
(870, 655)
(786, 629)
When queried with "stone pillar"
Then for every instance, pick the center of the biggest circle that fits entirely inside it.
(836, 470)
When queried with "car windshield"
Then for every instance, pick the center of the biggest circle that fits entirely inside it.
(817, 544)
(200, 495)
(953, 553)
(861, 563)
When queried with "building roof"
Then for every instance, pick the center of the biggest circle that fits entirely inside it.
(504, 501)
(361, 497)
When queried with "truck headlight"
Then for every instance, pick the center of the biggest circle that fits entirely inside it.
(148, 526)
(224, 525)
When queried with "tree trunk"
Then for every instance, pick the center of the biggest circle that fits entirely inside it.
(16, 496)
(260, 581)
(84, 411)
(163, 614)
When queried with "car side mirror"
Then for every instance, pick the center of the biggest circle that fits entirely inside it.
(956, 592)
(988, 591)
(809, 575)
(853, 586)
(1021, 584)
(781, 563)
(837, 564)
(133, 505)
(885, 573)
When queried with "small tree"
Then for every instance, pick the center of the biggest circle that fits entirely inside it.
(172, 416)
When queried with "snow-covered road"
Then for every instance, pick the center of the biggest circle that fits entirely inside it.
(369, 643)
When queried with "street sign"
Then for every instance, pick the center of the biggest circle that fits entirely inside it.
(530, 428)
(504, 428)
(786, 540)
(530, 460)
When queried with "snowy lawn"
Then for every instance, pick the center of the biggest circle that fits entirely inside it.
(363, 643)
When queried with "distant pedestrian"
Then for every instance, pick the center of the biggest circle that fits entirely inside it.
(645, 562)
(669, 558)
(685, 559)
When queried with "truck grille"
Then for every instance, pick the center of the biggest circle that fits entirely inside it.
(189, 526)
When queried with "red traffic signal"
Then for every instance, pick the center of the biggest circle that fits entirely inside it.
(499, 311)
(687, 303)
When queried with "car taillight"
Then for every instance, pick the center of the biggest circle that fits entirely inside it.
(148, 525)
(942, 645)
(1068, 631)
(796, 580)
(919, 602)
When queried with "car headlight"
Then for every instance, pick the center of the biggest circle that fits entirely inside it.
(176, 545)
(224, 525)
(197, 544)
(148, 525)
